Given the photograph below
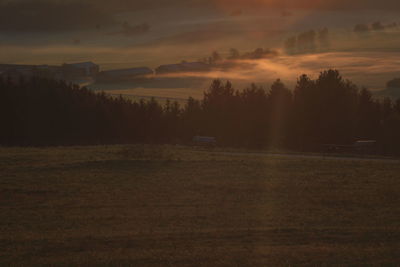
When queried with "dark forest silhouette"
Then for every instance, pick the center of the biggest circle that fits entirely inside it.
(328, 110)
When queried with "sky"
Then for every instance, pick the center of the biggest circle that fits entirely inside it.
(60, 31)
(32, 14)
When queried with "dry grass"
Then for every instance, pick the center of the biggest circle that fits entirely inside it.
(169, 206)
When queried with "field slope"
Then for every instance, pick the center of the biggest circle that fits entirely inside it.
(177, 206)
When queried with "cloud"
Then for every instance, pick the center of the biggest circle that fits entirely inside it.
(369, 69)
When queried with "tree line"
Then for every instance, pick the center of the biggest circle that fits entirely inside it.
(327, 110)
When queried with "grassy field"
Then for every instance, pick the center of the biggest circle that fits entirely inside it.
(177, 206)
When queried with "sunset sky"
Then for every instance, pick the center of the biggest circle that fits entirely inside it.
(56, 32)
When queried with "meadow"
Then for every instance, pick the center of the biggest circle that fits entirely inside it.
(142, 205)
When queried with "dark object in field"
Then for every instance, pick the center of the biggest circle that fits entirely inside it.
(366, 147)
(204, 140)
